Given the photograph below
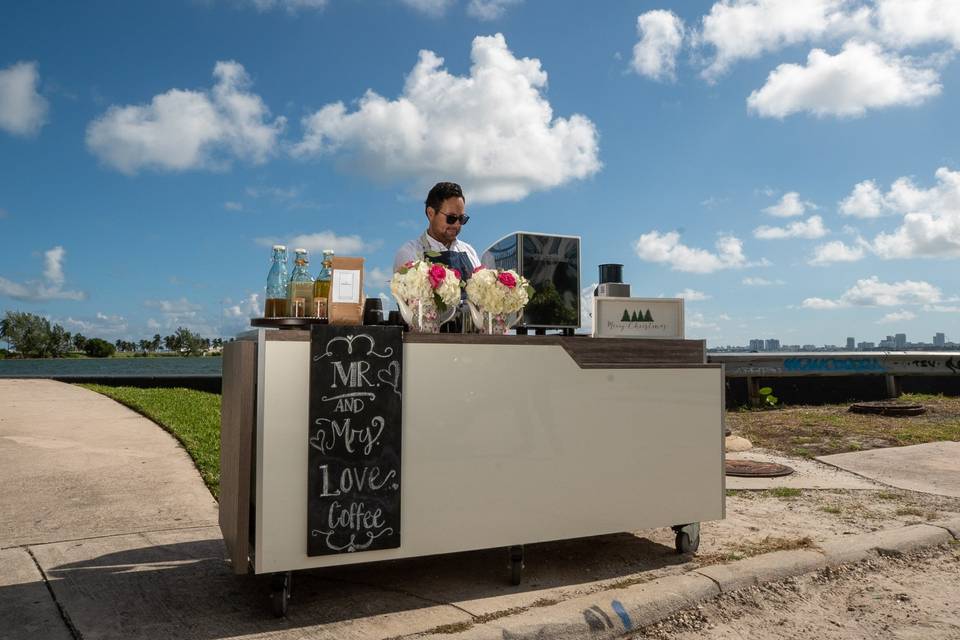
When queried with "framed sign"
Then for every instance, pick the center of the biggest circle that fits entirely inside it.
(638, 318)
(353, 442)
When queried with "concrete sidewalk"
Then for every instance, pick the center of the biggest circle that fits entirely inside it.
(107, 531)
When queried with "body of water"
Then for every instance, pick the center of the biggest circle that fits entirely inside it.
(111, 367)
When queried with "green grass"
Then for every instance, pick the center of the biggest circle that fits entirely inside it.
(193, 417)
(785, 492)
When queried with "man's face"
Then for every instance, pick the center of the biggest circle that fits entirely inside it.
(439, 228)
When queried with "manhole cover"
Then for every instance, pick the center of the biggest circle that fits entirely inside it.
(753, 469)
(888, 408)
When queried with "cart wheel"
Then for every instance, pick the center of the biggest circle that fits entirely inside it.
(516, 564)
(687, 537)
(280, 594)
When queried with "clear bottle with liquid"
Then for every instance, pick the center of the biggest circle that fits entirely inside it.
(300, 289)
(276, 298)
(321, 287)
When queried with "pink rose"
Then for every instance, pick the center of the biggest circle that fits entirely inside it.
(457, 273)
(408, 264)
(480, 268)
(507, 279)
(437, 274)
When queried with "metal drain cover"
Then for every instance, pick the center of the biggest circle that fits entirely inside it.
(754, 469)
(888, 408)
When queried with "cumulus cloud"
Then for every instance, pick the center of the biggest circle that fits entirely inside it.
(811, 229)
(692, 295)
(836, 251)
(23, 111)
(790, 205)
(745, 29)
(931, 217)
(489, 9)
(249, 307)
(910, 23)
(661, 35)
(870, 292)
(181, 313)
(865, 201)
(231, 205)
(50, 288)
(101, 326)
(897, 316)
(861, 77)
(181, 130)
(666, 248)
(494, 128)
(349, 245)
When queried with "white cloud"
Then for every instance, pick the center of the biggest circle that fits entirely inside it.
(761, 282)
(181, 130)
(494, 129)
(906, 23)
(861, 77)
(865, 201)
(931, 221)
(50, 288)
(489, 9)
(790, 205)
(661, 35)
(667, 249)
(836, 251)
(700, 324)
(249, 307)
(746, 29)
(315, 243)
(182, 313)
(811, 229)
(870, 292)
(897, 316)
(378, 279)
(230, 205)
(433, 8)
(181, 306)
(102, 326)
(23, 111)
(692, 295)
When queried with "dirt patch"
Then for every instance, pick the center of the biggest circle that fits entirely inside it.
(808, 431)
(912, 596)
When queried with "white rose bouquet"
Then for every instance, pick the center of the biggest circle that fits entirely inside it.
(497, 291)
(423, 280)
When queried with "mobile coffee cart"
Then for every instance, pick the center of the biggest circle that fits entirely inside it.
(488, 441)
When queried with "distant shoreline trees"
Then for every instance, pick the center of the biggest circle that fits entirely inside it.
(33, 336)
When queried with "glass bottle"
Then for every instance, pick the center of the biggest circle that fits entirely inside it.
(276, 299)
(321, 288)
(300, 290)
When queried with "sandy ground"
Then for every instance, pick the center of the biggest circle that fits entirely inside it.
(908, 597)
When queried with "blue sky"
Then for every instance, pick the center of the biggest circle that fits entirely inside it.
(792, 169)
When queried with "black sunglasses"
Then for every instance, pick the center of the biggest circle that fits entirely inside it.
(451, 218)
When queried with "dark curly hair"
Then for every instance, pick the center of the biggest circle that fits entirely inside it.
(440, 192)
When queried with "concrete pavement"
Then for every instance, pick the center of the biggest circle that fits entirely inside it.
(933, 467)
(110, 533)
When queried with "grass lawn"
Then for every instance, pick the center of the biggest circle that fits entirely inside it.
(193, 417)
(809, 431)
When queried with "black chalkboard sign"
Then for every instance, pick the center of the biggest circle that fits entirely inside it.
(353, 491)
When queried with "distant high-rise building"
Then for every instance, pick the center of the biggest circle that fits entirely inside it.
(900, 341)
(772, 344)
(851, 344)
(756, 345)
(939, 340)
(865, 346)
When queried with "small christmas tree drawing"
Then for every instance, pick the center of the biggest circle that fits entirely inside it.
(634, 317)
(626, 316)
(647, 317)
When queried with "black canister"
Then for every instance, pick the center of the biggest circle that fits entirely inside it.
(373, 311)
(611, 273)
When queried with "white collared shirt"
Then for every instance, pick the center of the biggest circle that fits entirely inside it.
(413, 250)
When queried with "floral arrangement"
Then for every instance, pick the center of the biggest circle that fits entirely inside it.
(497, 291)
(424, 280)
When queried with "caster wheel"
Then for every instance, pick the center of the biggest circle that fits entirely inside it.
(516, 565)
(280, 594)
(687, 538)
